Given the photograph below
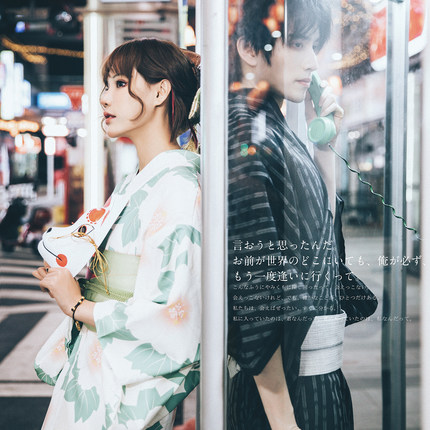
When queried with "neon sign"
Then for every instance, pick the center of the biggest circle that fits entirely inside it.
(16, 127)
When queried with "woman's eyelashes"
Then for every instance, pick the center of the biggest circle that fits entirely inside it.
(121, 83)
(118, 83)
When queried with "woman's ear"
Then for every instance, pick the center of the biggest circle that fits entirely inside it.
(163, 89)
(246, 52)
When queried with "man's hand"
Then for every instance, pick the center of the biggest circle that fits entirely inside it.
(328, 104)
(273, 390)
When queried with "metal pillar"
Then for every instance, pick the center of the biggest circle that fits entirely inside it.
(425, 242)
(213, 15)
(394, 300)
(94, 154)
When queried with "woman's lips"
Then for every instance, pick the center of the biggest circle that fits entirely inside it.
(108, 117)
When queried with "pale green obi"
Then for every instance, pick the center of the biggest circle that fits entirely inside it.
(120, 279)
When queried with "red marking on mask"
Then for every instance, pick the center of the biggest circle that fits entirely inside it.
(104, 219)
(61, 260)
(95, 214)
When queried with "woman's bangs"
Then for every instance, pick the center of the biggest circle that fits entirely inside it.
(118, 63)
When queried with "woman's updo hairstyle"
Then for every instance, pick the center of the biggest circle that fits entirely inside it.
(156, 60)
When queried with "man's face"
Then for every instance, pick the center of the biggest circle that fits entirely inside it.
(290, 68)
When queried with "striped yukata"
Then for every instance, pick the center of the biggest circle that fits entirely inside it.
(283, 266)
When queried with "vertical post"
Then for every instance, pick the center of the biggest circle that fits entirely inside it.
(394, 301)
(50, 176)
(214, 136)
(50, 148)
(94, 153)
(425, 242)
(182, 21)
(198, 16)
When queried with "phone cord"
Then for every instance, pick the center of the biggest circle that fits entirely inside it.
(375, 193)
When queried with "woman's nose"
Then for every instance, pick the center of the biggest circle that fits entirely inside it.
(105, 98)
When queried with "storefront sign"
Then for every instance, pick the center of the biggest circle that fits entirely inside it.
(75, 93)
(378, 34)
(16, 127)
(27, 144)
(54, 101)
(133, 1)
(7, 93)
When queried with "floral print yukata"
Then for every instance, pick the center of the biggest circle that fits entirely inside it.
(142, 358)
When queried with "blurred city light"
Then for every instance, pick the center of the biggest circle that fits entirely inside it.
(50, 146)
(58, 130)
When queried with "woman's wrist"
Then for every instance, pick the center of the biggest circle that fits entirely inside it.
(85, 313)
(73, 310)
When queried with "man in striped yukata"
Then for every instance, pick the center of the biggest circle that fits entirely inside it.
(283, 259)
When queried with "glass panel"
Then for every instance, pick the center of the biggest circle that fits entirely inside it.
(292, 265)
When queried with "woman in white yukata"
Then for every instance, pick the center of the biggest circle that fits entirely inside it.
(128, 351)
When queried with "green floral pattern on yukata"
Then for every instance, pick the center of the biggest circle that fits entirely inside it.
(142, 359)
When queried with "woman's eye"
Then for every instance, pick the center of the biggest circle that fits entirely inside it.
(120, 84)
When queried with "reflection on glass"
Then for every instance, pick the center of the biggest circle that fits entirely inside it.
(288, 263)
(289, 268)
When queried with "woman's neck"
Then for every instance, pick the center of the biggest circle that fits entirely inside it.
(153, 140)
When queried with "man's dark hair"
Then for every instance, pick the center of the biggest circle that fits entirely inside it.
(303, 18)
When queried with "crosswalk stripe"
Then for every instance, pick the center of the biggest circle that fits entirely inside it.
(29, 308)
(17, 376)
(18, 364)
(32, 389)
(15, 270)
(36, 295)
(17, 280)
(18, 263)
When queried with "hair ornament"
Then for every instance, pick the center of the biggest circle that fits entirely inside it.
(173, 104)
(194, 115)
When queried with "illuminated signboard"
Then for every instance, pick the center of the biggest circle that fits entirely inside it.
(7, 109)
(16, 127)
(54, 101)
(133, 1)
(75, 93)
(378, 33)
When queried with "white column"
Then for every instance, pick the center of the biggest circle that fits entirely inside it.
(213, 45)
(94, 153)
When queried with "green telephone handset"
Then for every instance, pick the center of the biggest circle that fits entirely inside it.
(322, 129)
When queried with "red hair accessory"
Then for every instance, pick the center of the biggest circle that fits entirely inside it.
(173, 105)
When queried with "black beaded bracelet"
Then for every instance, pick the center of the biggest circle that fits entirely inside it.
(77, 324)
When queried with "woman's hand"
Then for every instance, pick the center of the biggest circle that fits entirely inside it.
(61, 285)
(40, 274)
